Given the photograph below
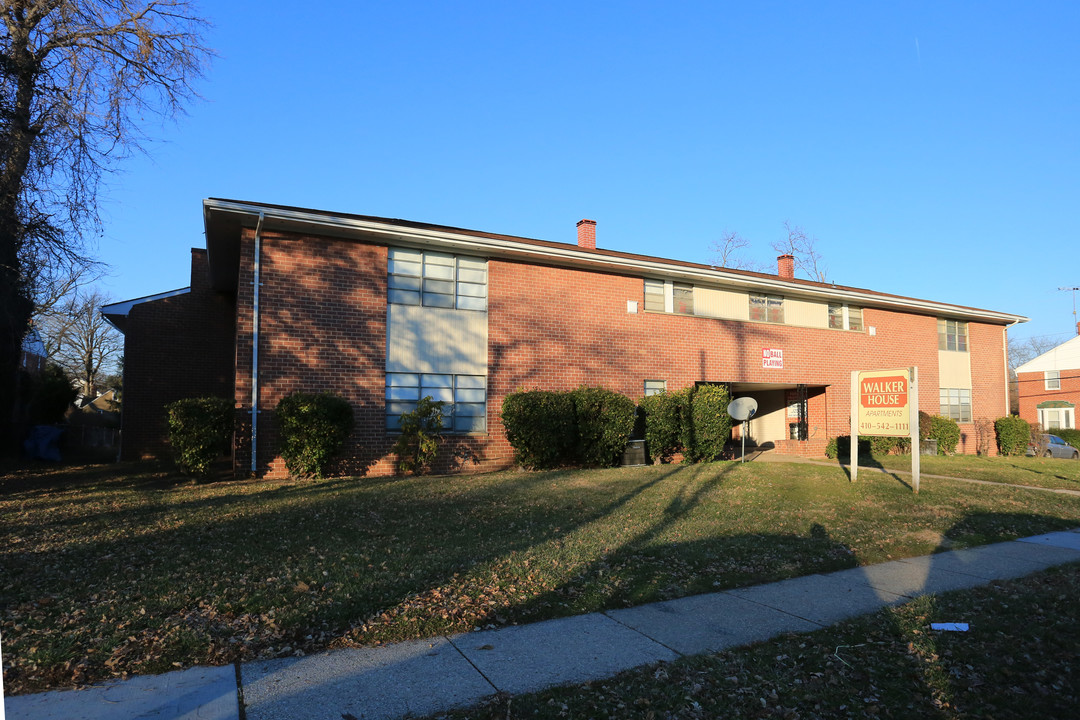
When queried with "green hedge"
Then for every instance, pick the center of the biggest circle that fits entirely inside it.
(664, 414)
(421, 433)
(541, 427)
(605, 420)
(313, 428)
(946, 432)
(880, 445)
(1013, 435)
(1069, 435)
(199, 431)
(840, 447)
(710, 423)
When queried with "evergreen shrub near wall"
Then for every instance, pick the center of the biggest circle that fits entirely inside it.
(1013, 435)
(541, 427)
(313, 428)
(605, 420)
(946, 432)
(710, 423)
(663, 423)
(840, 447)
(199, 432)
(880, 445)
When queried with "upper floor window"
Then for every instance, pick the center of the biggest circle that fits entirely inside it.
(654, 296)
(845, 317)
(1052, 379)
(767, 308)
(683, 298)
(436, 280)
(952, 335)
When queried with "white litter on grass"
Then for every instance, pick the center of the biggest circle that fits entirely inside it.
(953, 627)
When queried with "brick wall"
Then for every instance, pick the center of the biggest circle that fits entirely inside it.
(323, 327)
(174, 348)
(1033, 391)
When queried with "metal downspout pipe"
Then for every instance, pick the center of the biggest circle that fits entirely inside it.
(255, 349)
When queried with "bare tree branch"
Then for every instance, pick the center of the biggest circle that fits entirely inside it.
(727, 253)
(804, 249)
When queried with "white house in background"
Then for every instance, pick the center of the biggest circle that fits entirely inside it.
(1049, 386)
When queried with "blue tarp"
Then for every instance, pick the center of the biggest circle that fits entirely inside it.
(43, 443)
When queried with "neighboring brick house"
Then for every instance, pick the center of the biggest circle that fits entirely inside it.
(1049, 386)
(385, 311)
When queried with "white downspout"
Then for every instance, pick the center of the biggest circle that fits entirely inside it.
(1005, 357)
(255, 350)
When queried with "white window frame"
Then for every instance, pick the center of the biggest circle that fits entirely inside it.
(1051, 379)
(654, 286)
(431, 279)
(465, 397)
(958, 335)
(655, 387)
(955, 403)
(768, 302)
(1067, 418)
(847, 314)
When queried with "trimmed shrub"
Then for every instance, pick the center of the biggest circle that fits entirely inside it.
(663, 424)
(605, 420)
(946, 432)
(880, 445)
(421, 433)
(313, 428)
(1013, 435)
(540, 426)
(840, 447)
(710, 423)
(199, 432)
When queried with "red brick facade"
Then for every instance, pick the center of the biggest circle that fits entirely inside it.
(1033, 392)
(174, 348)
(323, 327)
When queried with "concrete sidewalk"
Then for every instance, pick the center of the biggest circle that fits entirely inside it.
(422, 677)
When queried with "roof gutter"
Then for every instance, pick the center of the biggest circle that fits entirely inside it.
(572, 255)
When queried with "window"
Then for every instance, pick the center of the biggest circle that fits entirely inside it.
(654, 296)
(767, 308)
(655, 387)
(952, 335)
(845, 317)
(436, 280)
(1052, 379)
(1057, 418)
(956, 404)
(465, 397)
(683, 296)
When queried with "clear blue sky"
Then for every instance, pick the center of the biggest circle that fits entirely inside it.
(932, 148)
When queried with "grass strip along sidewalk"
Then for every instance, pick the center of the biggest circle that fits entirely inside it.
(110, 570)
(1016, 660)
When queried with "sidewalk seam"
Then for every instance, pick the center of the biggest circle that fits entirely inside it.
(466, 658)
(642, 634)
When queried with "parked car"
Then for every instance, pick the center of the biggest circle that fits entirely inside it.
(1055, 447)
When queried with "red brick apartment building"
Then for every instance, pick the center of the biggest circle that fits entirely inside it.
(1049, 386)
(383, 312)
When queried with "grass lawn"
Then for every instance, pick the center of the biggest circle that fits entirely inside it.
(1038, 472)
(1017, 660)
(131, 568)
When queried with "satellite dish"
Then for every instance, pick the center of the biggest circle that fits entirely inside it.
(742, 408)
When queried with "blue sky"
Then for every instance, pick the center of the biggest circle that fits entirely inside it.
(933, 149)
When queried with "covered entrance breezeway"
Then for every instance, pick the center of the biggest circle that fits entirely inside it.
(791, 418)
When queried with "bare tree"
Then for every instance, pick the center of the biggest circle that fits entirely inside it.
(804, 249)
(80, 340)
(1020, 350)
(727, 253)
(78, 78)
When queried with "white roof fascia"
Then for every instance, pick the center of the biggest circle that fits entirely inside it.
(1065, 356)
(571, 253)
(124, 307)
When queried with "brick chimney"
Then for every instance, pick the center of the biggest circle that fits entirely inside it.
(785, 266)
(586, 234)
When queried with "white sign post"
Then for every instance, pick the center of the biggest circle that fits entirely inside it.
(885, 403)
